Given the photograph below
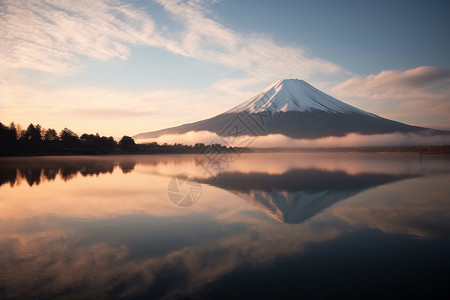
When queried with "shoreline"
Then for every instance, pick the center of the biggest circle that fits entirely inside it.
(386, 149)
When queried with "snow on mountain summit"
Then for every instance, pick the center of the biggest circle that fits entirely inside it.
(294, 95)
(297, 110)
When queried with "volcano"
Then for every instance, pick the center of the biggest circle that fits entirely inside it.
(296, 109)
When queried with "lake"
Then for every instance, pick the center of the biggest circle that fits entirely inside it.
(223, 226)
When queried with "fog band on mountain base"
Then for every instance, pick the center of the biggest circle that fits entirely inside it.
(278, 140)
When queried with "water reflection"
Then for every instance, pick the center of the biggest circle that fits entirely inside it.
(299, 194)
(37, 169)
(69, 234)
(290, 195)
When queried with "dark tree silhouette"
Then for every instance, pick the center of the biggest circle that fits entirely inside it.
(127, 143)
(97, 143)
(35, 141)
(8, 139)
(68, 138)
(12, 132)
(50, 135)
(7, 134)
(32, 134)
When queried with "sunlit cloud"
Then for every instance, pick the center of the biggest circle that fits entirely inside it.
(258, 56)
(419, 96)
(88, 109)
(279, 140)
(55, 36)
(389, 84)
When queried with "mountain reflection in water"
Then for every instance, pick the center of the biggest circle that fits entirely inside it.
(289, 197)
(292, 225)
(299, 194)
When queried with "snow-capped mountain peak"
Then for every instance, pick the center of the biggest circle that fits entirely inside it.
(294, 95)
(295, 109)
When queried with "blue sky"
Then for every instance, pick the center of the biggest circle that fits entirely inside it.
(362, 36)
(125, 67)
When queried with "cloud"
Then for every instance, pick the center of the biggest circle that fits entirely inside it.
(419, 96)
(279, 140)
(54, 36)
(112, 113)
(88, 109)
(389, 84)
(258, 56)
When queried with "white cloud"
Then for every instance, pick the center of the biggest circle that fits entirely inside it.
(258, 56)
(279, 140)
(54, 36)
(389, 84)
(419, 96)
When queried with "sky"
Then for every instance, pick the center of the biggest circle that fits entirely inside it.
(127, 67)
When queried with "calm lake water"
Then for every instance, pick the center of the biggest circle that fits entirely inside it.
(280, 225)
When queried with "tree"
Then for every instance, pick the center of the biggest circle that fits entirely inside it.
(37, 134)
(12, 132)
(50, 135)
(127, 143)
(99, 144)
(4, 132)
(110, 143)
(8, 135)
(68, 138)
(32, 134)
(67, 134)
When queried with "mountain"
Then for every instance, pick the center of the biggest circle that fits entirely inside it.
(293, 108)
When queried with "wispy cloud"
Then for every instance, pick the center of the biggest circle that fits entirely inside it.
(55, 36)
(89, 109)
(410, 84)
(258, 56)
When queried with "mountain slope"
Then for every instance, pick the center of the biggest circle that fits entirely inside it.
(293, 108)
(294, 95)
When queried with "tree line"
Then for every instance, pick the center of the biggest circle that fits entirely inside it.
(35, 140)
